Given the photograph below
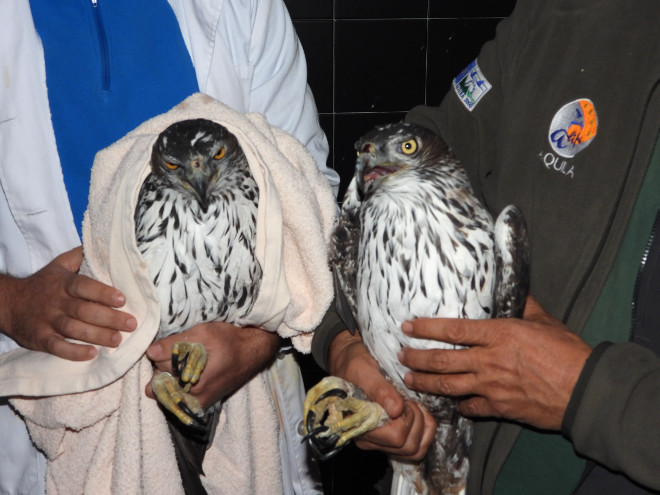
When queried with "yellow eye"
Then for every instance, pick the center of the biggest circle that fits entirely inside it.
(220, 154)
(171, 166)
(409, 147)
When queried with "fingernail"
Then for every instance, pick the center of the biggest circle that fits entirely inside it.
(407, 380)
(92, 352)
(116, 339)
(399, 355)
(154, 351)
(407, 327)
(118, 300)
(389, 405)
(131, 324)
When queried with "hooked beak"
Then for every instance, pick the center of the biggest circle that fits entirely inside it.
(370, 172)
(378, 170)
(370, 169)
(200, 183)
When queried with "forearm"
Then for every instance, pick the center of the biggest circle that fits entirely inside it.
(260, 347)
(7, 295)
(235, 356)
(343, 352)
(619, 430)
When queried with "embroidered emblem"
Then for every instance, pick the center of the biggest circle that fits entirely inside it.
(573, 128)
(471, 85)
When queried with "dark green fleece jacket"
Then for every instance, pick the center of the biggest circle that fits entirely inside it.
(560, 115)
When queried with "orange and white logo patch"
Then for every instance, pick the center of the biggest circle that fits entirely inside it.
(573, 128)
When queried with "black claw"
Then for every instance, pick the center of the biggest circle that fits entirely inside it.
(324, 448)
(177, 367)
(175, 364)
(330, 454)
(199, 421)
(311, 416)
(197, 426)
(335, 392)
(311, 433)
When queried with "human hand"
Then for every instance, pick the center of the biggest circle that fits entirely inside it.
(411, 430)
(235, 355)
(55, 303)
(524, 370)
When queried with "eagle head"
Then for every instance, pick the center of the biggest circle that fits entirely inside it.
(190, 156)
(393, 149)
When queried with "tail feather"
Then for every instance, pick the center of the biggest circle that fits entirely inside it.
(407, 479)
(190, 448)
(444, 470)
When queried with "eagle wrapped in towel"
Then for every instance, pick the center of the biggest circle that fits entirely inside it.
(412, 240)
(195, 226)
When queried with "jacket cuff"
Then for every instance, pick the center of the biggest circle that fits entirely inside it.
(581, 386)
(331, 326)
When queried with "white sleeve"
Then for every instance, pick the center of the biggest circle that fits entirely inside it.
(279, 83)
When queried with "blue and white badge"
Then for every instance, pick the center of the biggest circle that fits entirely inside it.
(471, 85)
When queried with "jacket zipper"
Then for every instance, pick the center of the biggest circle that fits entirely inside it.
(642, 265)
(103, 45)
(591, 464)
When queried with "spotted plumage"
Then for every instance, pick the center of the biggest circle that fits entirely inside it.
(195, 225)
(413, 241)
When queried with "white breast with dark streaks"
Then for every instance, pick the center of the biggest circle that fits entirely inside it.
(427, 251)
(203, 264)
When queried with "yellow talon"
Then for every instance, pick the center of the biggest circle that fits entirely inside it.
(335, 412)
(193, 356)
(175, 399)
(188, 362)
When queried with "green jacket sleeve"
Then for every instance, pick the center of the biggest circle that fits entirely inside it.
(613, 417)
(330, 326)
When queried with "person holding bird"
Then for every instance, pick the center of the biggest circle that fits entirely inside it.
(79, 76)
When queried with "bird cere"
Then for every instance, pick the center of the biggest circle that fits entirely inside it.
(195, 225)
(413, 241)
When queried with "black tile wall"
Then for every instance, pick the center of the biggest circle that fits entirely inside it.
(374, 60)
(369, 61)
(472, 9)
(378, 9)
(452, 44)
(310, 9)
(317, 38)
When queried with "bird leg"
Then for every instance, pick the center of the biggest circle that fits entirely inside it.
(188, 361)
(335, 412)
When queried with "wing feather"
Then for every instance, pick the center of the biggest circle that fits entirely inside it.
(512, 263)
(344, 249)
